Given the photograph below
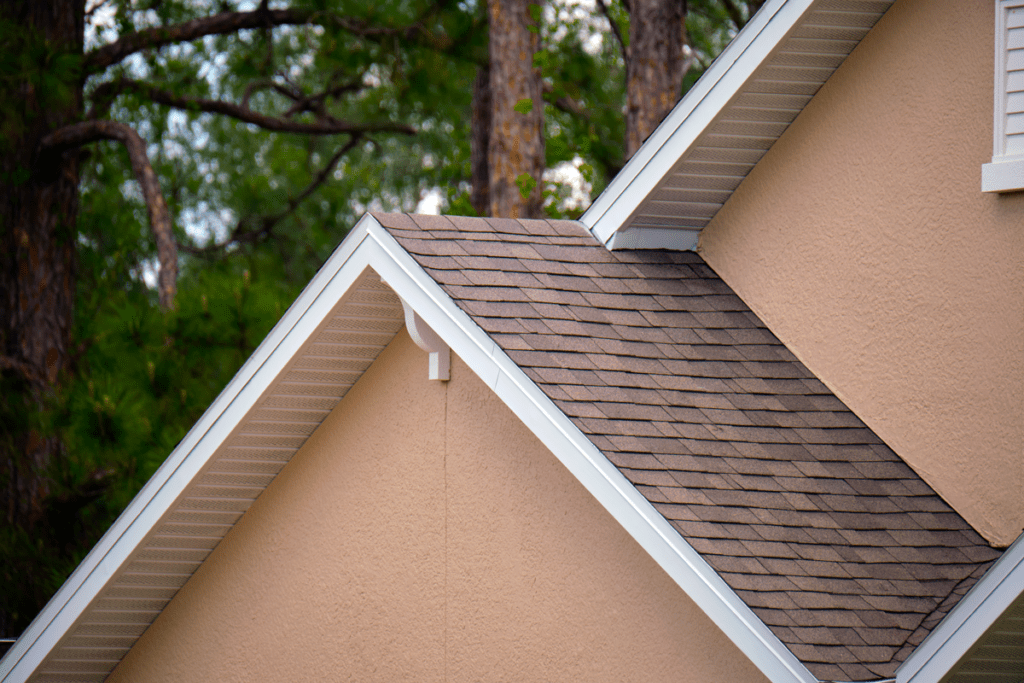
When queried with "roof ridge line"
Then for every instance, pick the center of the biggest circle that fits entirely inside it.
(591, 467)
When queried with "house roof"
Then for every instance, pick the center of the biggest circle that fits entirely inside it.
(784, 518)
(803, 537)
(691, 164)
(838, 546)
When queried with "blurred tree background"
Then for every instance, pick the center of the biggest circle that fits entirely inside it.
(267, 129)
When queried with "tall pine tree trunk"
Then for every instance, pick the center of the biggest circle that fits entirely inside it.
(655, 66)
(480, 135)
(516, 145)
(38, 213)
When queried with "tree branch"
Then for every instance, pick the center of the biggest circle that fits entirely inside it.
(615, 26)
(267, 223)
(260, 84)
(565, 103)
(26, 370)
(733, 10)
(327, 125)
(78, 134)
(231, 22)
(315, 103)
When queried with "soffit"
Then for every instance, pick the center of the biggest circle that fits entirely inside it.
(304, 394)
(998, 657)
(543, 291)
(720, 130)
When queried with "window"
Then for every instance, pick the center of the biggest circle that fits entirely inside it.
(1006, 172)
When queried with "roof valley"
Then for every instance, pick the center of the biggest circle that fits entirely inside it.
(838, 546)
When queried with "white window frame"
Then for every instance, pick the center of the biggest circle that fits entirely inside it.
(1006, 172)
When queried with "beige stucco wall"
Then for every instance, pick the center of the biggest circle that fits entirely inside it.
(424, 534)
(863, 240)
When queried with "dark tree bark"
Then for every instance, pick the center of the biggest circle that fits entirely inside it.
(655, 66)
(324, 125)
(516, 145)
(480, 136)
(73, 136)
(38, 211)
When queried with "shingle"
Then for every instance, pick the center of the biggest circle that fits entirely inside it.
(557, 342)
(686, 384)
(598, 425)
(551, 359)
(808, 551)
(626, 379)
(708, 447)
(816, 635)
(744, 565)
(686, 496)
(834, 542)
(762, 598)
(575, 255)
(632, 364)
(705, 481)
(649, 477)
(432, 247)
(608, 316)
(748, 498)
(394, 220)
(760, 582)
(500, 309)
(501, 278)
(770, 549)
(755, 483)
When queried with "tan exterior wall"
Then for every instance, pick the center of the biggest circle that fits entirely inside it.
(424, 534)
(863, 240)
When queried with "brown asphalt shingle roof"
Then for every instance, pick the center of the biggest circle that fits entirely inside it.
(846, 554)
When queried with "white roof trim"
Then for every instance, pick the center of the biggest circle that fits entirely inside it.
(695, 112)
(160, 494)
(604, 481)
(440, 355)
(654, 238)
(969, 620)
(706, 146)
(370, 246)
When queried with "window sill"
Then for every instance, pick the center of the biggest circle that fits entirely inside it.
(1003, 175)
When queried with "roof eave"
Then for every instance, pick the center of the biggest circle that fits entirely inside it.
(586, 462)
(164, 489)
(968, 622)
(371, 246)
(737, 64)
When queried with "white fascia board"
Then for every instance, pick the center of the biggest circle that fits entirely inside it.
(968, 621)
(719, 85)
(676, 239)
(370, 246)
(586, 462)
(186, 462)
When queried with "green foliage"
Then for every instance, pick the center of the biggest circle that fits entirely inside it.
(525, 182)
(36, 76)
(141, 376)
(524, 106)
(459, 204)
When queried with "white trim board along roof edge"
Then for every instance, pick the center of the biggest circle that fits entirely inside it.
(968, 622)
(715, 89)
(370, 246)
(693, 162)
(718, 85)
(166, 487)
(586, 462)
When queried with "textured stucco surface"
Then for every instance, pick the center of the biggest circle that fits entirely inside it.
(424, 534)
(863, 240)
